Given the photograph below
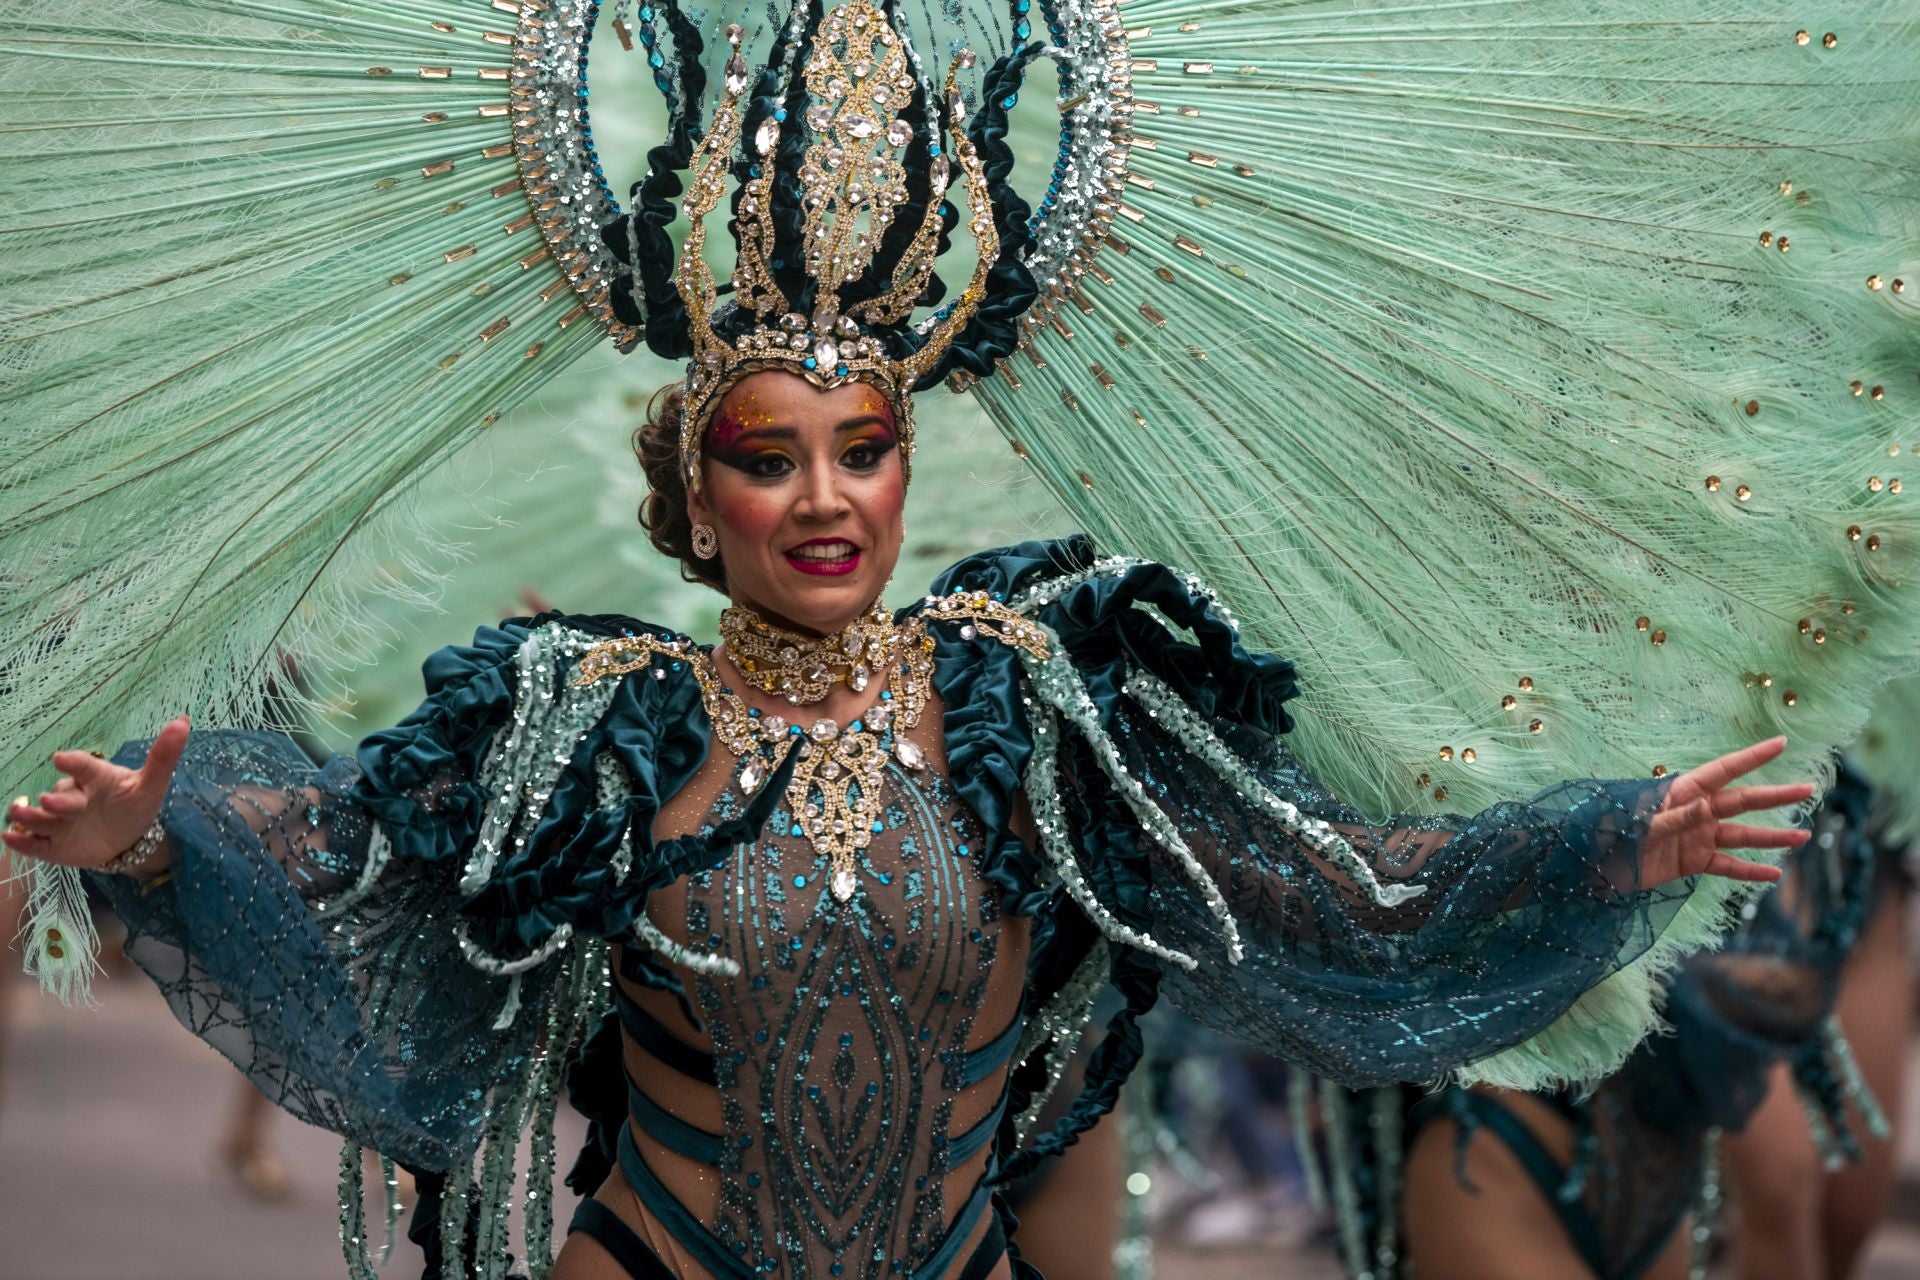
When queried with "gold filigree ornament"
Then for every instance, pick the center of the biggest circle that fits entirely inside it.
(853, 182)
(804, 669)
(835, 794)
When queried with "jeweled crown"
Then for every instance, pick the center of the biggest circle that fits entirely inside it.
(871, 185)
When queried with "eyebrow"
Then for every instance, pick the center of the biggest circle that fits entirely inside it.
(792, 433)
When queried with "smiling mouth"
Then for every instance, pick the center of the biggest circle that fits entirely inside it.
(826, 556)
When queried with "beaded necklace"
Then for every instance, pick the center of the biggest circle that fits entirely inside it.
(834, 795)
(804, 669)
(835, 792)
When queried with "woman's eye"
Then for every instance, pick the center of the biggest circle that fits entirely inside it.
(863, 456)
(768, 466)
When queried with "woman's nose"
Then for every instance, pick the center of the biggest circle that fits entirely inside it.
(822, 499)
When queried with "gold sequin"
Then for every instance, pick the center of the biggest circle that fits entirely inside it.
(1853, 533)
(1659, 771)
(1439, 793)
(1791, 698)
(1873, 542)
(1878, 393)
(1802, 37)
(1642, 623)
(1806, 625)
(1509, 702)
(1782, 244)
(1874, 484)
(1469, 755)
(1893, 485)
(1766, 239)
(1526, 684)
(1820, 635)
(1873, 283)
(1742, 493)
(1713, 484)
(1446, 753)
(1829, 40)
(1753, 408)
(1658, 637)
(1858, 387)
(1536, 726)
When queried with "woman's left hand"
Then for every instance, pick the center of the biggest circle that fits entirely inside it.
(1690, 834)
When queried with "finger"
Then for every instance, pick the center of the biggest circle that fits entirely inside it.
(25, 842)
(33, 819)
(63, 804)
(1729, 867)
(1738, 800)
(164, 754)
(1741, 835)
(1715, 774)
(66, 783)
(84, 767)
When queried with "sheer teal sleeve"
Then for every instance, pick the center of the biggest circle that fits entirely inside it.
(1515, 946)
(306, 925)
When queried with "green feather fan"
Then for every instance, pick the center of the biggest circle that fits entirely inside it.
(261, 266)
(1538, 375)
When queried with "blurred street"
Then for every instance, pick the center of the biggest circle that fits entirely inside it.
(109, 1121)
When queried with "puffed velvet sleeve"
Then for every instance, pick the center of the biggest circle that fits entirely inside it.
(1515, 945)
(306, 925)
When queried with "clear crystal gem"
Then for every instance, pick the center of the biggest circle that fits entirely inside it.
(843, 883)
(861, 70)
(861, 677)
(750, 779)
(824, 731)
(776, 725)
(899, 133)
(937, 173)
(789, 655)
(880, 717)
(831, 771)
(818, 117)
(736, 74)
(817, 675)
(910, 754)
(851, 644)
(826, 353)
(956, 109)
(766, 135)
(862, 127)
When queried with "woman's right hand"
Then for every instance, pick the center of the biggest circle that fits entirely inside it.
(99, 810)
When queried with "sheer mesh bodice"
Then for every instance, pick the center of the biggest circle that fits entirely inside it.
(833, 1113)
(787, 1083)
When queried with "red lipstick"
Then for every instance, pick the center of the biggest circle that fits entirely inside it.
(824, 557)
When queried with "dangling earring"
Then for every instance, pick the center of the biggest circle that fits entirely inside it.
(705, 544)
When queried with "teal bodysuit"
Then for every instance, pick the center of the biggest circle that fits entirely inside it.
(533, 880)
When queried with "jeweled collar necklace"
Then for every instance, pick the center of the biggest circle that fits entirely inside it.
(804, 669)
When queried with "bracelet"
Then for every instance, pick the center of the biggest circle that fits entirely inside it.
(142, 851)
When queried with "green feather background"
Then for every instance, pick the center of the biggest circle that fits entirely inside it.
(1451, 340)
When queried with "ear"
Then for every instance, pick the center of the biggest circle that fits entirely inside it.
(698, 510)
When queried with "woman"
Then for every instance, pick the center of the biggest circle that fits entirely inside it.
(822, 873)
(833, 898)
(1599, 1184)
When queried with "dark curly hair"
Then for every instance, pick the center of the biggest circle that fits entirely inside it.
(663, 512)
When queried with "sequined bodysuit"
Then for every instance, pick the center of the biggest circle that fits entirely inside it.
(414, 946)
(833, 1114)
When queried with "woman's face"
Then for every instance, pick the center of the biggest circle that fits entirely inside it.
(805, 490)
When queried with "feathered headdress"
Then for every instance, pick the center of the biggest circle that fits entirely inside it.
(840, 161)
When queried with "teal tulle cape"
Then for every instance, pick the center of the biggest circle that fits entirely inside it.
(315, 926)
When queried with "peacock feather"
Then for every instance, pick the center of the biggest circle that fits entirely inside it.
(1537, 374)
